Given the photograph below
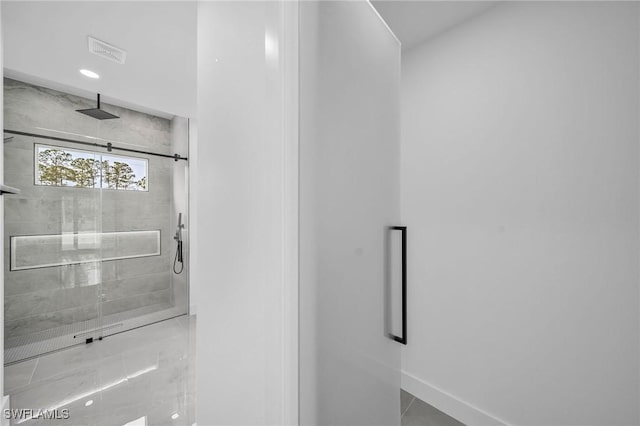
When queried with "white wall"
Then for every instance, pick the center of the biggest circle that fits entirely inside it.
(520, 193)
(5, 400)
(240, 263)
(159, 74)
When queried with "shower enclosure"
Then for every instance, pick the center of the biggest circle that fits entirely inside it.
(96, 243)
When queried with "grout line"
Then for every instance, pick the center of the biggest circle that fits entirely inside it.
(34, 370)
(408, 406)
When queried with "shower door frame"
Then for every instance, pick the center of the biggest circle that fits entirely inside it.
(100, 330)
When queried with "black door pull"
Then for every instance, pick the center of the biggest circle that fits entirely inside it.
(402, 339)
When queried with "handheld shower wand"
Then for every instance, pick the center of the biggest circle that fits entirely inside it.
(178, 237)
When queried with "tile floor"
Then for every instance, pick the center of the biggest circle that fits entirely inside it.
(141, 377)
(416, 412)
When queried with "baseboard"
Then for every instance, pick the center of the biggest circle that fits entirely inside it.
(448, 404)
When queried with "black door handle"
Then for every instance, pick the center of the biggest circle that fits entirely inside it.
(402, 339)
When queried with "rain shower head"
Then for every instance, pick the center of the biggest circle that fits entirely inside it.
(97, 113)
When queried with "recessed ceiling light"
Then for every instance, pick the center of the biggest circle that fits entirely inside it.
(88, 403)
(175, 416)
(89, 73)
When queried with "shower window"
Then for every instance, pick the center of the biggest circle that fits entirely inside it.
(61, 166)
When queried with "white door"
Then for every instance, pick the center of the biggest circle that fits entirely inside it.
(349, 167)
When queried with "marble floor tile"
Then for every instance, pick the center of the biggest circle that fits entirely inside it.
(405, 401)
(19, 375)
(68, 360)
(144, 376)
(419, 413)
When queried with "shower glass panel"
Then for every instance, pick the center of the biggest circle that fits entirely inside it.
(52, 276)
(153, 285)
(89, 247)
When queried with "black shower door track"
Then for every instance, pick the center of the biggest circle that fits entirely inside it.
(109, 147)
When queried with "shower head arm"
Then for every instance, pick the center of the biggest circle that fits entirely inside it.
(97, 113)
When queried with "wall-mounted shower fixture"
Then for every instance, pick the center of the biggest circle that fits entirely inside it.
(179, 257)
(98, 113)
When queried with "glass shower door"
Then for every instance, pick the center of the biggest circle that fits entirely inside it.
(53, 248)
(91, 247)
(144, 220)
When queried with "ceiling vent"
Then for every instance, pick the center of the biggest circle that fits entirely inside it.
(107, 51)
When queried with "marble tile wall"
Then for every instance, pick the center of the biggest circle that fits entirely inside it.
(51, 297)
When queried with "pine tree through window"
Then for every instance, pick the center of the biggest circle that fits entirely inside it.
(59, 166)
